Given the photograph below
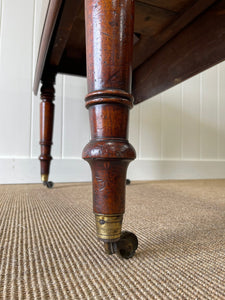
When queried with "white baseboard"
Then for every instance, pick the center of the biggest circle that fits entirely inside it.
(176, 169)
(25, 170)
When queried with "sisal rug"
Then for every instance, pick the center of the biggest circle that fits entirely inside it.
(48, 248)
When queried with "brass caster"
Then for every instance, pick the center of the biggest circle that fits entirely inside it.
(128, 181)
(125, 247)
(49, 184)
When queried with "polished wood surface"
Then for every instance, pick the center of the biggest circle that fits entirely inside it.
(173, 40)
(46, 121)
(170, 40)
(197, 47)
(149, 44)
(109, 36)
(156, 24)
(49, 25)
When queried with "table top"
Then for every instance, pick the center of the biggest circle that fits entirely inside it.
(173, 40)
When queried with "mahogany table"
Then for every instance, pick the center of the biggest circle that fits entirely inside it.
(158, 42)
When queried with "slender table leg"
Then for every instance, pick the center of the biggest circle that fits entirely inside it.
(46, 125)
(109, 43)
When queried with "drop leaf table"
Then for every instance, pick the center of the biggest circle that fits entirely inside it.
(159, 43)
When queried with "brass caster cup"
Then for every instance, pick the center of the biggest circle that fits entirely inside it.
(108, 227)
(125, 247)
(44, 179)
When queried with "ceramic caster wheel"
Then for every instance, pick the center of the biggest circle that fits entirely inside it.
(128, 181)
(127, 245)
(49, 184)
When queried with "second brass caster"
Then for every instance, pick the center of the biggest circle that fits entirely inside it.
(49, 184)
(44, 179)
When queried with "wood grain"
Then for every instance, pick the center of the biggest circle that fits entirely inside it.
(51, 18)
(196, 48)
(70, 11)
(109, 36)
(150, 20)
(172, 5)
(46, 120)
(149, 44)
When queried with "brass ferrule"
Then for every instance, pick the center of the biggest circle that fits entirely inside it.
(44, 177)
(108, 227)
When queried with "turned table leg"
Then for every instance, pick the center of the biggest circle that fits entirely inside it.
(109, 44)
(46, 125)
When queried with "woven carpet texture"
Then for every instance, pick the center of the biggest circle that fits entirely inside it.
(49, 250)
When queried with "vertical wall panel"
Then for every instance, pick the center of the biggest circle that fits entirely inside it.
(221, 112)
(33, 128)
(150, 128)
(76, 132)
(208, 139)
(190, 118)
(134, 128)
(0, 19)
(15, 77)
(58, 122)
(171, 123)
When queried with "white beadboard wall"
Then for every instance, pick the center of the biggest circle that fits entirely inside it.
(179, 134)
